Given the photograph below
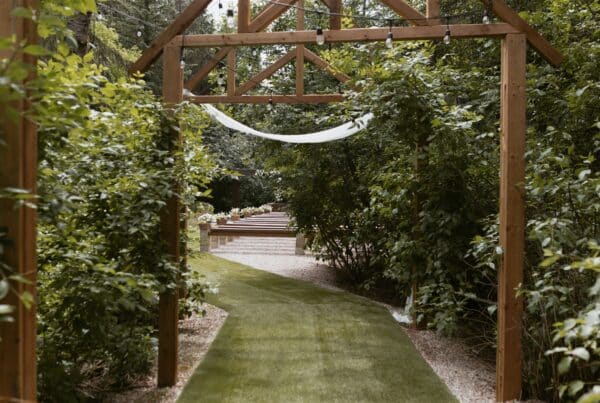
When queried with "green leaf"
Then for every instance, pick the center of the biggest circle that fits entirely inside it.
(549, 261)
(575, 387)
(27, 299)
(580, 352)
(6, 309)
(4, 288)
(22, 12)
(564, 365)
(36, 50)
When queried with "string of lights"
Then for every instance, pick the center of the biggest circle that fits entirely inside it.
(320, 36)
(388, 20)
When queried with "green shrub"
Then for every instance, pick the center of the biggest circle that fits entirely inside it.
(105, 173)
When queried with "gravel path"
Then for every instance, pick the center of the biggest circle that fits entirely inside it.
(468, 378)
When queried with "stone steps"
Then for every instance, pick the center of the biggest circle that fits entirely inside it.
(258, 246)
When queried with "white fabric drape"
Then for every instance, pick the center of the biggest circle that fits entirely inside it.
(336, 133)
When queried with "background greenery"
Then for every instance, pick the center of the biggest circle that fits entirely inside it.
(373, 216)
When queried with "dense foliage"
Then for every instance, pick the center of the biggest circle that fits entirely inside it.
(105, 174)
(106, 168)
(411, 200)
(424, 210)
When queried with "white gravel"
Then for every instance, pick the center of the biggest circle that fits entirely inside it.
(195, 337)
(470, 379)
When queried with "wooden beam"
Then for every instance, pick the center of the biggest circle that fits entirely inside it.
(231, 70)
(512, 216)
(264, 99)
(195, 80)
(168, 345)
(266, 73)
(405, 10)
(539, 43)
(18, 169)
(243, 15)
(258, 25)
(300, 50)
(433, 10)
(269, 14)
(346, 35)
(177, 27)
(322, 64)
(335, 20)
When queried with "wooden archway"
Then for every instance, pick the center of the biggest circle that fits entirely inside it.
(514, 33)
(17, 351)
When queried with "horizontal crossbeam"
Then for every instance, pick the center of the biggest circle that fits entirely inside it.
(265, 99)
(345, 35)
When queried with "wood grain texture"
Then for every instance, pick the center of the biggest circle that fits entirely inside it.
(197, 77)
(266, 73)
(433, 11)
(435, 32)
(335, 20)
(18, 168)
(244, 15)
(300, 50)
(231, 70)
(323, 65)
(405, 10)
(537, 41)
(269, 14)
(257, 25)
(512, 216)
(177, 27)
(168, 345)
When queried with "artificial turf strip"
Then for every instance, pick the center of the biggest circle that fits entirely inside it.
(290, 341)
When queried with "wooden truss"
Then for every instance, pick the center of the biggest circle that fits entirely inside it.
(250, 33)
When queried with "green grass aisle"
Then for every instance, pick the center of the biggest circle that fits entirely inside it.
(289, 341)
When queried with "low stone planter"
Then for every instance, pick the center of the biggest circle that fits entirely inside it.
(221, 221)
(235, 218)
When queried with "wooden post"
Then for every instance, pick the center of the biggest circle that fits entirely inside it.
(300, 50)
(512, 216)
(433, 10)
(243, 15)
(170, 228)
(18, 168)
(231, 66)
(335, 20)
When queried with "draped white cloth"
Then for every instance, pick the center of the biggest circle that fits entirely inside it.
(336, 133)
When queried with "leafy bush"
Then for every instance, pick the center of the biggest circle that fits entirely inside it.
(105, 173)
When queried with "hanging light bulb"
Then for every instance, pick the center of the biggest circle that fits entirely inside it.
(389, 42)
(182, 63)
(139, 34)
(230, 20)
(221, 79)
(270, 105)
(486, 17)
(447, 37)
(320, 36)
